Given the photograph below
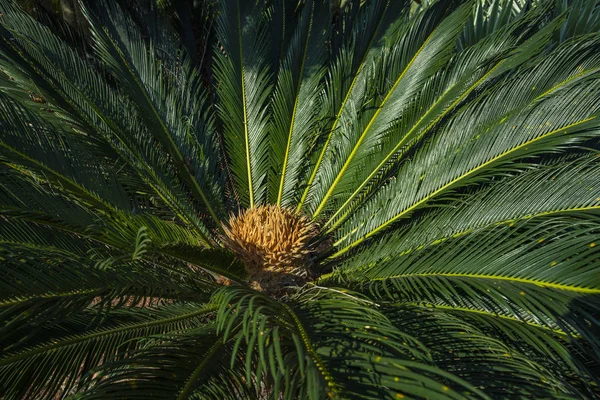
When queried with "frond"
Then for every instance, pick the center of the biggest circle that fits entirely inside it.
(244, 87)
(540, 271)
(331, 332)
(361, 40)
(107, 118)
(500, 356)
(483, 141)
(296, 100)
(193, 364)
(566, 189)
(58, 365)
(169, 101)
(417, 52)
(467, 72)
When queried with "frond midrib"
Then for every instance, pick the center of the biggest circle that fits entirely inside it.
(486, 313)
(294, 110)
(566, 81)
(401, 142)
(91, 336)
(338, 115)
(539, 283)
(368, 127)
(455, 181)
(244, 106)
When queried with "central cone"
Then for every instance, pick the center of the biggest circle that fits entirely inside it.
(275, 245)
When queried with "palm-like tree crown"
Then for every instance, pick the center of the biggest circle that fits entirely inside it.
(288, 200)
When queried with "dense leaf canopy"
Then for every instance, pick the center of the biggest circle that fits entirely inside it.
(446, 150)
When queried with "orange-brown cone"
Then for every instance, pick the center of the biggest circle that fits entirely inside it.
(274, 243)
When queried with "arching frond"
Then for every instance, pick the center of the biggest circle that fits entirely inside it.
(194, 364)
(169, 101)
(244, 86)
(502, 357)
(546, 278)
(421, 42)
(61, 364)
(563, 189)
(340, 332)
(353, 56)
(100, 112)
(489, 143)
(296, 103)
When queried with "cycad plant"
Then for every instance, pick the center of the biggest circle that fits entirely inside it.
(379, 200)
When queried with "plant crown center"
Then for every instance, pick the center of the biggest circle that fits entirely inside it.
(275, 244)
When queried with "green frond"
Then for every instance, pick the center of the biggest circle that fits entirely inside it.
(296, 104)
(562, 189)
(30, 143)
(417, 53)
(61, 363)
(169, 105)
(115, 228)
(500, 357)
(340, 332)
(100, 111)
(467, 72)
(193, 364)
(244, 87)
(489, 142)
(539, 271)
(355, 53)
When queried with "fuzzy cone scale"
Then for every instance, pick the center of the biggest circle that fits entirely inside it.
(274, 244)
